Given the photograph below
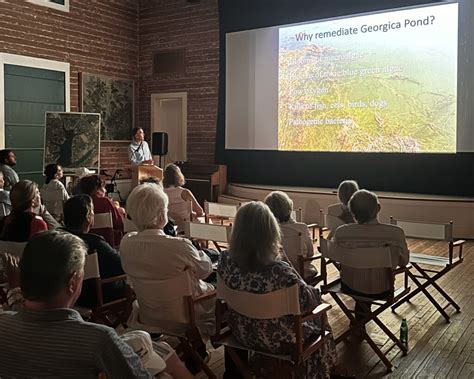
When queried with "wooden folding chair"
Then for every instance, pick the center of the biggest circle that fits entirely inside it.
(208, 232)
(104, 226)
(293, 245)
(363, 258)
(181, 213)
(219, 212)
(443, 264)
(271, 305)
(178, 291)
(113, 313)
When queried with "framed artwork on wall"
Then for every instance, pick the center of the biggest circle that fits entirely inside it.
(72, 140)
(113, 99)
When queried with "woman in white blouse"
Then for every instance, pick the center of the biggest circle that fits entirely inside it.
(151, 258)
(53, 193)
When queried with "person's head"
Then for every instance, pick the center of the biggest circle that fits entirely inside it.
(52, 269)
(92, 185)
(147, 206)
(53, 171)
(280, 204)
(138, 134)
(79, 213)
(7, 157)
(172, 176)
(346, 189)
(2, 180)
(364, 206)
(255, 239)
(24, 196)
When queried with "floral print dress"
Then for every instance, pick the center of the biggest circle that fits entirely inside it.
(276, 336)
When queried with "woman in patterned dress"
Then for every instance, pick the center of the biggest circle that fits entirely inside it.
(253, 264)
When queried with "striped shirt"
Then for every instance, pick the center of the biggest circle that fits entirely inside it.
(57, 343)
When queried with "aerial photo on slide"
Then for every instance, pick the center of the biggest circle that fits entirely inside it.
(375, 83)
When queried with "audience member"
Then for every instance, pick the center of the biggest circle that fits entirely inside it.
(78, 218)
(253, 264)
(149, 257)
(369, 232)
(53, 193)
(341, 210)
(281, 206)
(47, 337)
(7, 161)
(94, 186)
(23, 223)
(173, 180)
(5, 203)
(138, 150)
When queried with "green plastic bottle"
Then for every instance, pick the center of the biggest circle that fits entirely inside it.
(404, 332)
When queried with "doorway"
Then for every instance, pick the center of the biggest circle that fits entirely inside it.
(169, 115)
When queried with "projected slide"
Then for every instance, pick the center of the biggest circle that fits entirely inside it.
(377, 83)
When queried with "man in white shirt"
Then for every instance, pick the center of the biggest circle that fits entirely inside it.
(150, 257)
(138, 150)
(369, 232)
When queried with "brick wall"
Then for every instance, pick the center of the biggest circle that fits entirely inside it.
(95, 36)
(178, 24)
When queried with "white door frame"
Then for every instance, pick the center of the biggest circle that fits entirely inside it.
(183, 96)
(22, 60)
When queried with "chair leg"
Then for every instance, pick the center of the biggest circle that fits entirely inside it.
(392, 336)
(197, 358)
(246, 373)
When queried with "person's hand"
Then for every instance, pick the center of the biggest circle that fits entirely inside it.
(12, 272)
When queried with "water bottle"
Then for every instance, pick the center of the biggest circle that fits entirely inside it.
(404, 332)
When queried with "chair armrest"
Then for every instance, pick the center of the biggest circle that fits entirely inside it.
(401, 270)
(113, 279)
(313, 258)
(316, 312)
(313, 225)
(459, 243)
(205, 296)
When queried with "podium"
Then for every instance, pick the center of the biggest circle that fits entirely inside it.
(146, 173)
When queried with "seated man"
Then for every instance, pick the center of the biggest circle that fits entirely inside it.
(78, 217)
(369, 232)
(47, 337)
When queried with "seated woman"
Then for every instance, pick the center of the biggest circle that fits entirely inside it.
(281, 206)
(253, 264)
(23, 223)
(341, 210)
(53, 193)
(5, 204)
(94, 186)
(173, 180)
(150, 257)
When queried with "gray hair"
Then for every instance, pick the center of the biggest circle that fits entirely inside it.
(255, 239)
(280, 204)
(346, 189)
(364, 205)
(49, 260)
(146, 204)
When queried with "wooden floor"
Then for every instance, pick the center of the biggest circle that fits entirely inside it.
(436, 349)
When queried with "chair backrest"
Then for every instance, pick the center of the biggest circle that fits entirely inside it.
(181, 213)
(293, 247)
(149, 292)
(208, 232)
(102, 221)
(220, 210)
(270, 305)
(360, 257)
(91, 267)
(425, 230)
(297, 214)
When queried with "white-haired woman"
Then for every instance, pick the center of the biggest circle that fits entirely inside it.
(150, 257)
(281, 206)
(253, 264)
(344, 193)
